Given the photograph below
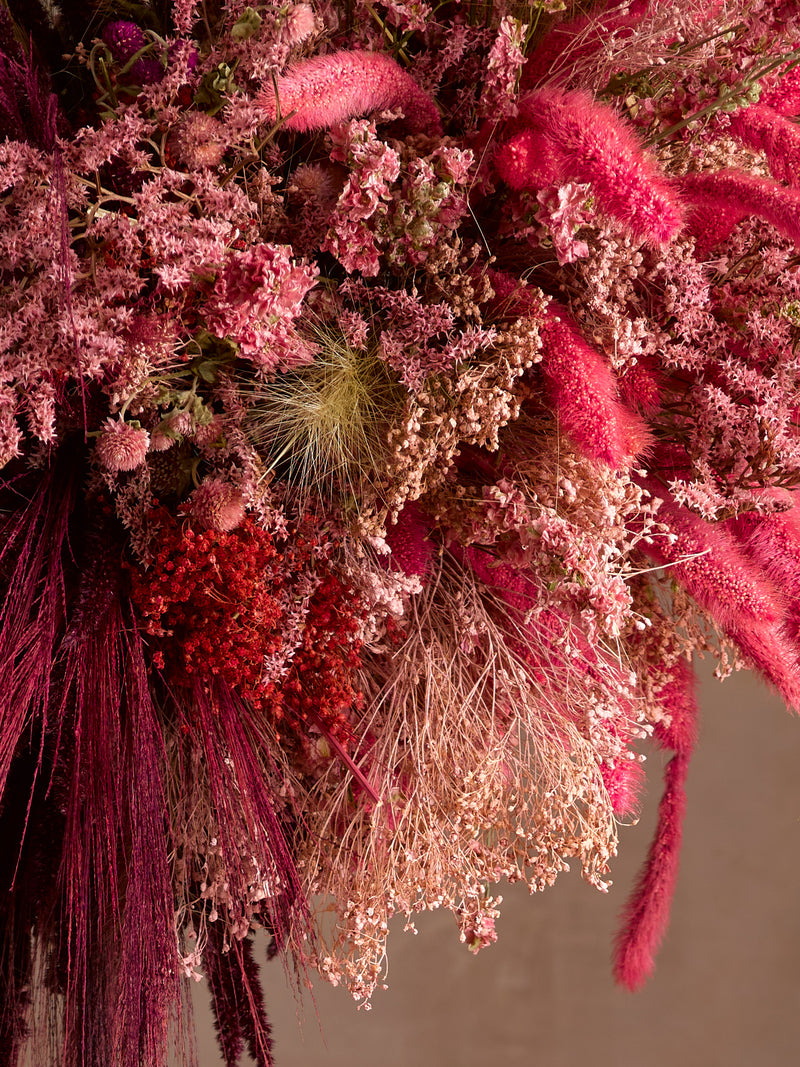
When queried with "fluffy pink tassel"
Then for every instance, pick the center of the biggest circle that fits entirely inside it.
(785, 97)
(646, 915)
(583, 392)
(722, 198)
(706, 559)
(561, 137)
(319, 92)
(764, 129)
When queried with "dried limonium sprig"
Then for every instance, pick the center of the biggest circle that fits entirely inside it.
(392, 403)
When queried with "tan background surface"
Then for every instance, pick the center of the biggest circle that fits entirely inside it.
(727, 988)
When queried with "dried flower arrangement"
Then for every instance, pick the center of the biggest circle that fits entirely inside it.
(393, 400)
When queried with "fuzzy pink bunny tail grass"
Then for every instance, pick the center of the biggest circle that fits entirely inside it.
(646, 914)
(645, 917)
(721, 199)
(583, 392)
(708, 561)
(322, 91)
(561, 137)
(766, 130)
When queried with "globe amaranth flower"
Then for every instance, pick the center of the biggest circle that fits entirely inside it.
(121, 447)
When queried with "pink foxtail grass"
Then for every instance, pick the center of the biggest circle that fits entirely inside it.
(320, 92)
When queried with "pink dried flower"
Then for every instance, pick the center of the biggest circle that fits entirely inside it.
(256, 296)
(200, 141)
(325, 90)
(561, 137)
(121, 447)
(506, 58)
(208, 433)
(299, 24)
(217, 505)
(563, 211)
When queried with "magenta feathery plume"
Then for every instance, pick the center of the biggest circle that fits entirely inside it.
(721, 199)
(646, 915)
(785, 96)
(766, 130)
(583, 392)
(560, 137)
(706, 558)
(774, 542)
(320, 92)
(581, 386)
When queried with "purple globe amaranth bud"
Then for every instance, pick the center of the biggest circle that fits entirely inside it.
(124, 38)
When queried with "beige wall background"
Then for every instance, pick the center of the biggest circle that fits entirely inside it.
(727, 988)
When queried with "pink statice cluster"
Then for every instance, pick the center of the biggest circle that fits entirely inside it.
(393, 402)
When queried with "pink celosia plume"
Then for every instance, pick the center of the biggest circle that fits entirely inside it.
(721, 199)
(560, 137)
(766, 130)
(646, 915)
(325, 90)
(583, 392)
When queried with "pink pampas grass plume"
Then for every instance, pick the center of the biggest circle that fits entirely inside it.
(765, 130)
(646, 915)
(721, 199)
(121, 447)
(583, 392)
(561, 137)
(325, 90)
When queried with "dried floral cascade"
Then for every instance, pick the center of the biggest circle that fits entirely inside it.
(393, 401)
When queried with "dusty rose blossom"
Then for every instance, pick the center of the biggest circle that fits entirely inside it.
(563, 212)
(256, 296)
(121, 447)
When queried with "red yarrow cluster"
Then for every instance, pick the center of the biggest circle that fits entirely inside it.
(220, 599)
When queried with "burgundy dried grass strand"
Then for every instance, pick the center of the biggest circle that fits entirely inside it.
(32, 614)
(223, 729)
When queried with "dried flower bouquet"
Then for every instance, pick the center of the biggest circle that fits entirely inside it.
(393, 400)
